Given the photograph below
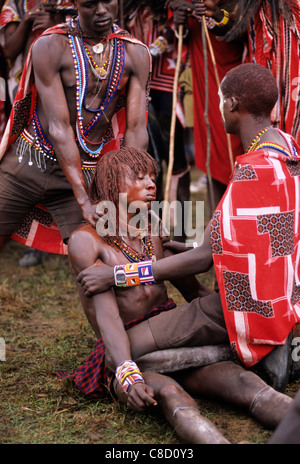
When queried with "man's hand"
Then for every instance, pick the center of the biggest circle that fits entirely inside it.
(89, 213)
(206, 7)
(97, 278)
(181, 9)
(140, 396)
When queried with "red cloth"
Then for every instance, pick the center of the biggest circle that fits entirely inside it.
(227, 55)
(279, 53)
(38, 229)
(256, 250)
(93, 377)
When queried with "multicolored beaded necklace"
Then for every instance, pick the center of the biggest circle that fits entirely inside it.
(255, 145)
(256, 140)
(82, 76)
(132, 255)
(99, 71)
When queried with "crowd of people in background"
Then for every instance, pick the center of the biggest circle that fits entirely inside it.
(218, 36)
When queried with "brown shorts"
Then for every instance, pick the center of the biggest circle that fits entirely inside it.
(23, 186)
(199, 323)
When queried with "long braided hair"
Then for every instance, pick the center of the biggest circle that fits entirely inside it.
(111, 171)
(246, 10)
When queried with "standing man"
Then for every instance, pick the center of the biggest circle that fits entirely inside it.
(83, 92)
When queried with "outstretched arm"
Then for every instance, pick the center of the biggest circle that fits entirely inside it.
(52, 49)
(100, 277)
(83, 250)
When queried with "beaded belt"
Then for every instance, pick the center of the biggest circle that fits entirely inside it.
(27, 143)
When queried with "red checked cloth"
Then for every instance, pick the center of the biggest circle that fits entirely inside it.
(93, 378)
(256, 251)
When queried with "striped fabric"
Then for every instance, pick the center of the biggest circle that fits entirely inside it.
(93, 378)
(255, 242)
(279, 53)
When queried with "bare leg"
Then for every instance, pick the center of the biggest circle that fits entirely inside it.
(234, 384)
(180, 410)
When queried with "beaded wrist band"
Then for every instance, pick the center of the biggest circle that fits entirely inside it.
(127, 373)
(146, 273)
(134, 274)
(225, 19)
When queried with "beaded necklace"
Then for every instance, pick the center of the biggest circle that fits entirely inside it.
(256, 139)
(274, 146)
(132, 255)
(81, 74)
(40, 139)
(99, 71)
(255, 145)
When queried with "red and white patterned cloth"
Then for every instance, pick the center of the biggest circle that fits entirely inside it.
(256, 250)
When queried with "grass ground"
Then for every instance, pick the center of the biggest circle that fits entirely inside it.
(44, 329)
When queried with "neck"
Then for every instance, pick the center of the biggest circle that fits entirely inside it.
(249, 129)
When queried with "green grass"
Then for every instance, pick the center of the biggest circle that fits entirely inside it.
(45, 329)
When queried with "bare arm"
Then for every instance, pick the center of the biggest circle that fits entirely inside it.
(136, 134)
(51, 49)
(83, 251)
(100, 277)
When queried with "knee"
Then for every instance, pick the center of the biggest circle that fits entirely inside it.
(169, 390)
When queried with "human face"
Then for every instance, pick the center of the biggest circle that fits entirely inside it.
(96, 17)
(141, 188)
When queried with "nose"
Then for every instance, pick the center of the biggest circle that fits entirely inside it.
(101, 9)
(150, 183)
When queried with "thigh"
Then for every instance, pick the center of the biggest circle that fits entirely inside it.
(20, 190)
(198, 323)
(61, 203)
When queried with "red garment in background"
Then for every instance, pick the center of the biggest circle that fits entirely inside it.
(227, 55)
(279, 52)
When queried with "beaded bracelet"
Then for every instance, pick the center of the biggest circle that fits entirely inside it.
(127, 373)
(225, 19)
(129, 275)
(132, 274)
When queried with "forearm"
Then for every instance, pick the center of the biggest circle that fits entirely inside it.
(15, 41)
(68, 156)
(192, 262)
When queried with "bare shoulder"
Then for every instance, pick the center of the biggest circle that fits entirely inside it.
(49, 47)
(85, 245)
(138, 57)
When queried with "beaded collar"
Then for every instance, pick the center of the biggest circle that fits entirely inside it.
(82, 77)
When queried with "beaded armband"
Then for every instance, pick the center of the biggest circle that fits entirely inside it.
(127, 373)
(129, 275)
(212, 23)
(225, 19)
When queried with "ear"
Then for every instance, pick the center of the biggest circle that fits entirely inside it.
(234, 104)
(74, 2)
